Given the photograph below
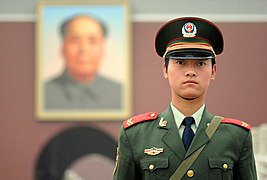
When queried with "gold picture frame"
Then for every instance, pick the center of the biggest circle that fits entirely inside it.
(69, 86)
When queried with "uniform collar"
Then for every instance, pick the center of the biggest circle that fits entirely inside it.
(179, 117)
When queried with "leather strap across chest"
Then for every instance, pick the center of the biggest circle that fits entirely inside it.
(187, 163)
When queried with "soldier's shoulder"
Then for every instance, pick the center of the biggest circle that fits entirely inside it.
(236, 122)
(149, 116)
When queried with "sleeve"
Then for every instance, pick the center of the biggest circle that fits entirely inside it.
(246, 168)
(125, 164)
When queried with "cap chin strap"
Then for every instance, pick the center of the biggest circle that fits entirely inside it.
(186, 45)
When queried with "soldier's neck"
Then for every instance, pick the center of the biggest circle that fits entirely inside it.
(188, 107)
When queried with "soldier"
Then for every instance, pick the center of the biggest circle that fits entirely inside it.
(186, 141)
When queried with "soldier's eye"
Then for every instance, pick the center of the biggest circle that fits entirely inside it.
(180, 62)
(201, 63)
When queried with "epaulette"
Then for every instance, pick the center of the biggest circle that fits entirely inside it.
(139, 118)
(236, 122)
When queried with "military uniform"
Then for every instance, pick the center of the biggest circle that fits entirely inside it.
(228, 155)
(150, 145)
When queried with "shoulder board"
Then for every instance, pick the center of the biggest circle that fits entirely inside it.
(140, 118)
(236, 122)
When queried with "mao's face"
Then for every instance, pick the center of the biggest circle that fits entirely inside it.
(83, 47)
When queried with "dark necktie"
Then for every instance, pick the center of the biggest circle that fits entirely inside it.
(188, 133)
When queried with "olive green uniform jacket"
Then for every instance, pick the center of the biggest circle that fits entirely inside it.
(228, 155)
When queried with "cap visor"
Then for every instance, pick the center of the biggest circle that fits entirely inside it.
(193, 54)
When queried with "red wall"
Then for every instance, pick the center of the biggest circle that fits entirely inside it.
(239, 90)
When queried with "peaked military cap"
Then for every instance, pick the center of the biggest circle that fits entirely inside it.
(189, 38)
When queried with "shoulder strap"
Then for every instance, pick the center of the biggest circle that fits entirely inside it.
(140, 118)
(236, 122)
(187, 163)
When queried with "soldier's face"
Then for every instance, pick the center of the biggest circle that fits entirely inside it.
(189, 79)
(83, 47)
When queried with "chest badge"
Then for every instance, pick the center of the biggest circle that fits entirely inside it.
(153, 151)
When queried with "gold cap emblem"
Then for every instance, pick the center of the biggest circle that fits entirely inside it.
(189, 30)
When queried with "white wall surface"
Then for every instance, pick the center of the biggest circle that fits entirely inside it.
(159, 10)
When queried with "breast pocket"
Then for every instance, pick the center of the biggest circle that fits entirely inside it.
(220, 168)
(153, 167)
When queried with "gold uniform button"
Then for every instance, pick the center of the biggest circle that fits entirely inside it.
(190, 173)
(225, 166)
(151, 166)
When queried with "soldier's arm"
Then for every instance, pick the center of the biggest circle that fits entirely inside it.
(246, 168)
(125, 164)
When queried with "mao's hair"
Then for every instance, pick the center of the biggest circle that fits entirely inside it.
(65, 25)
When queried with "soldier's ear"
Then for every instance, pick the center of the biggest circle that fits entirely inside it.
(164, 70)
(214, 69)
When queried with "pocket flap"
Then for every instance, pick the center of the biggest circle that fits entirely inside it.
(220, 163)
(154, 163)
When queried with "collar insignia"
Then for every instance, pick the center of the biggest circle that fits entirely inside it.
(153, 151)
(189, 30)
(163, 122)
